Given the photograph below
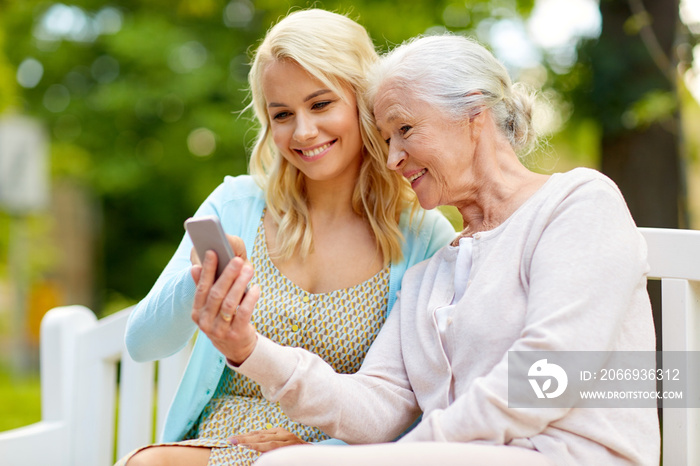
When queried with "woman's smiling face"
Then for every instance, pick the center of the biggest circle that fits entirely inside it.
(432, 151)
(314, 128)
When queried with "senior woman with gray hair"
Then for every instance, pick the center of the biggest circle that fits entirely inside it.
(543, 263)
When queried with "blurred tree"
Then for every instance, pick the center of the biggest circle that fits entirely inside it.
(140, 101)
(8, 84)
(143, 100)
(628, 85)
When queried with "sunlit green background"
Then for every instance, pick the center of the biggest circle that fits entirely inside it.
(141, 103)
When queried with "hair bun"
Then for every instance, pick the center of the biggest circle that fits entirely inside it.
(519, 124)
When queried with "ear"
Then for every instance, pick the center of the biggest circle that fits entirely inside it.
(477, 121)
(476, 116)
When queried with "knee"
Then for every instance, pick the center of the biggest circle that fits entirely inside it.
(286, 456)
(267, 459)
(148, 457)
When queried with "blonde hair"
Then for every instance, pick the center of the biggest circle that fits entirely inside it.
(337, 51)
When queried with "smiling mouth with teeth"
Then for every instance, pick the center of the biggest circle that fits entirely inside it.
(316, 151)
(417, 175)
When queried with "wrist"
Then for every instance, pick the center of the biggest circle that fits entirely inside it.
(235, 360)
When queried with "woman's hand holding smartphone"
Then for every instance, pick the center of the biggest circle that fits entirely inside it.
(223, 304)
(207, 234)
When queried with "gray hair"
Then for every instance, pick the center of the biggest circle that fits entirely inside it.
(460, 77)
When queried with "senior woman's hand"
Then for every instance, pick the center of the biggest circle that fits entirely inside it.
(222, 308)
(266, 440)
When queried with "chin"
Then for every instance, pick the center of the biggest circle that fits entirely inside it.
(427, 204)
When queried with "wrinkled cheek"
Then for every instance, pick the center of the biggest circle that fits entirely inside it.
(441, 192)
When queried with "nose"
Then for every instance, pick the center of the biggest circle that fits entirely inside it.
(397, 157)
(305, 128)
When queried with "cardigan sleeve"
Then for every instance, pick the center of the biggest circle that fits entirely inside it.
(586, 281)
(161, 323)
(376, 404)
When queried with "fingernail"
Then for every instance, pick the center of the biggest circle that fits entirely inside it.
(247, 269)
(233, 440)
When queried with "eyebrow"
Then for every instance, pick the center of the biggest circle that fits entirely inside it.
(306, 99)
(391, 117)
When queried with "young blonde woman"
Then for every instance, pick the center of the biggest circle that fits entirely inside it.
(328, 229)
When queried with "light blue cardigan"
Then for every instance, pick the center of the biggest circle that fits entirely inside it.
(160, 325)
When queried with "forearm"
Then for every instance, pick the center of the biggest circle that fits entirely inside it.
(161, 323)
(366, 407)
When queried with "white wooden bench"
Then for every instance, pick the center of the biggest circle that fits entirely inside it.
(674, 258)
(86, 374)
(80, 384)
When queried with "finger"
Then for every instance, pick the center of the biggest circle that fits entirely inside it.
(263, 447)
(248, 437)
(237, 245)
(257, 435)
(266, 440)
(206, 279)
(209, 294)
(238, 290)
(196, 272)
(229, 305)
(219, 299)
(246, 308)
(226, 316)
(270, 439)
(194, 257)
(223, 284)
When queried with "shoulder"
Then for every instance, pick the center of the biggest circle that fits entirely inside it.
(592, 190)
(424, 233)
(586, 180)
(425, 226)
(239, 203)
(587, 207)
(238, 192)
(239, 187)
(580, 194)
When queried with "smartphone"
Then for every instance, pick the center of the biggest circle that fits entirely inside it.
(207, 234)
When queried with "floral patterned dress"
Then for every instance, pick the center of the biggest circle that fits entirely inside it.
(338, 326)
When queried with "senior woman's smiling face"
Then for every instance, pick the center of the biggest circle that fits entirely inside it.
(433, 152)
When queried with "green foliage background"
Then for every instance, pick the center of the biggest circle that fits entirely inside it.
(119, 107)
(133, 101)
